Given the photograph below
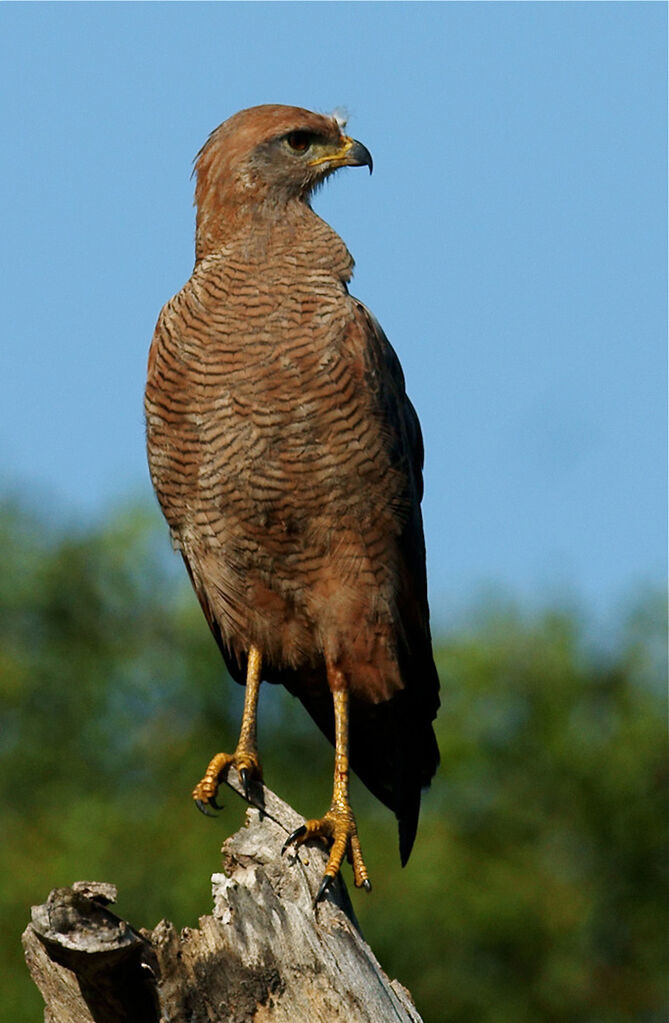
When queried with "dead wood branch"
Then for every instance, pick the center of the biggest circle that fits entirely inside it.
(264, 955)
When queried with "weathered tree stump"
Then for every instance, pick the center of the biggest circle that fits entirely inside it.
(266, 954)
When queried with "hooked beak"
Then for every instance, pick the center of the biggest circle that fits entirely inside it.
(350, 153)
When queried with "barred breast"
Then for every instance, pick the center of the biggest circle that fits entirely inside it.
(270, 455)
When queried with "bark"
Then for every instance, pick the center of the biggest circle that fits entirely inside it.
(265, 954)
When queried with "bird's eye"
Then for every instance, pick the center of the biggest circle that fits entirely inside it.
(299, 141)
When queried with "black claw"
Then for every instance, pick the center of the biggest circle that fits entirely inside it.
(297, 833)
(324, 885)
(244, 776)
(367, 885)
(202, 807)
(216, 806)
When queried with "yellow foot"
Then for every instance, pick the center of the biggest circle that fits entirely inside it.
(248, 768)
(339, 829)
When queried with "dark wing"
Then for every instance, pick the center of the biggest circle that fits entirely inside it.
(393, 744)
(393, 749)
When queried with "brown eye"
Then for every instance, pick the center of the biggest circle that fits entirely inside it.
(299, 141)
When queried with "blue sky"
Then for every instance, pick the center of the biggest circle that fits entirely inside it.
(512, 242)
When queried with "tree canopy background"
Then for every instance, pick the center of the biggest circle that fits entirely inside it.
(537, 890)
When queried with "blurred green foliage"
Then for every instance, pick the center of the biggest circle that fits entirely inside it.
(537, 890)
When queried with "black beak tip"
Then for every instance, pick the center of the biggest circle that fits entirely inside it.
(362, 156)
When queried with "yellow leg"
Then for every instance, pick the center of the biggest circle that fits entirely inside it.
(245, 757)
(338, 825)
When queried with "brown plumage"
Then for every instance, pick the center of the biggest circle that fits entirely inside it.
(287, 460)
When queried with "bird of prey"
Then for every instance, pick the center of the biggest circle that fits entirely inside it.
(287, 460)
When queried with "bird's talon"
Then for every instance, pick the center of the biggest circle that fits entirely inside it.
(294, 836)
(202, 807)
(249, 775)
(323, 888)
(338, 830)
(247, 765)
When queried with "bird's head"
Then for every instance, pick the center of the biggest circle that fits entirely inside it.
(263, 158)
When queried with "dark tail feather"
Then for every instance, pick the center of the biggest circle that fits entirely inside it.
(395, 756)
(414, 771)
(407, 826)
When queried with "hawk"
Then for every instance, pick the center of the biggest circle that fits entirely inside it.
(287, 460)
